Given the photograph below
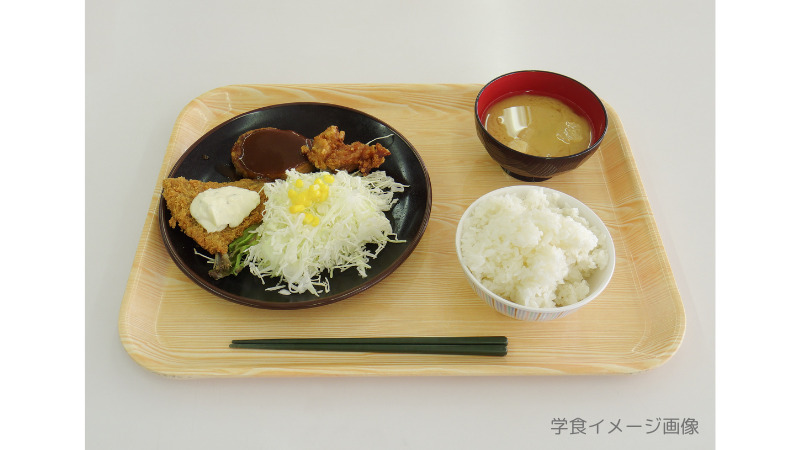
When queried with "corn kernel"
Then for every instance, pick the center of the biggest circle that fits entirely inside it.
(302, 198)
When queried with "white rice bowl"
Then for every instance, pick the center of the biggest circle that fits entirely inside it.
(534, 253)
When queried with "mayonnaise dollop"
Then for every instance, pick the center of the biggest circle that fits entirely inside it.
(218, 208)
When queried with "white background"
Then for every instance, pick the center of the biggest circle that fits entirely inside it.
(652, 61)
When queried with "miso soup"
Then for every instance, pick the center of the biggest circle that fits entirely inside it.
(538, 125)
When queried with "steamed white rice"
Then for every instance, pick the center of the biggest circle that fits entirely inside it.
(526, 247)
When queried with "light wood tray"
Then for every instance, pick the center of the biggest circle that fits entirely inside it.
(175, 328)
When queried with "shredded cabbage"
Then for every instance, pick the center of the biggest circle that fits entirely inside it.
(350, 218)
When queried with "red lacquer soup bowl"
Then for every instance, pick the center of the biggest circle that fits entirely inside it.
(578, 97)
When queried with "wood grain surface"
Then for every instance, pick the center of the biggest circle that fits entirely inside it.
(172, 327)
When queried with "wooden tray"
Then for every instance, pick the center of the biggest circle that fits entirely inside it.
(173, 327)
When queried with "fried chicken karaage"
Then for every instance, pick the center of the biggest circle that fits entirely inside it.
(329, 152)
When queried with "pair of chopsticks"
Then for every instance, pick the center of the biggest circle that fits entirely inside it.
(469, 345)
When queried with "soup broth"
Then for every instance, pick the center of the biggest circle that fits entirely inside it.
(538, 125)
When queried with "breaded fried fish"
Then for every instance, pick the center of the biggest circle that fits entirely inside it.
(179, 193)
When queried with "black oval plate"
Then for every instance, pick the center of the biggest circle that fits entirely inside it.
(209, 159)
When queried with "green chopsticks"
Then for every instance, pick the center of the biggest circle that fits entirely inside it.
(468, 345)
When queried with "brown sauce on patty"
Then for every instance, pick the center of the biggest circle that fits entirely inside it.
(269, 153)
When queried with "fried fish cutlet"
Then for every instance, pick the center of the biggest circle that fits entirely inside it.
(179, 193)
(329, 152)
